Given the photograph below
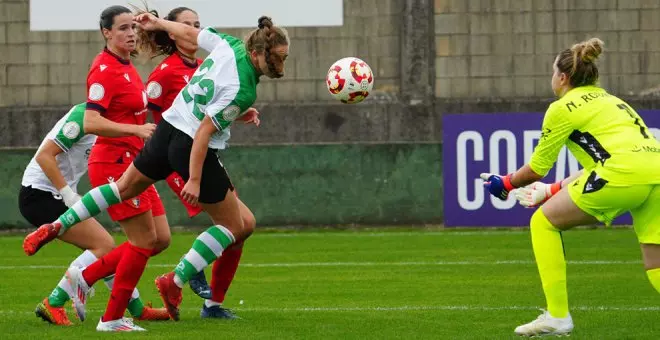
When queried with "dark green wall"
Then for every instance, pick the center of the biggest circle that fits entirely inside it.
(301, 185)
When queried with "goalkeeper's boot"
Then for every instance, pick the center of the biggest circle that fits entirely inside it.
(546, 324)
(54, 315)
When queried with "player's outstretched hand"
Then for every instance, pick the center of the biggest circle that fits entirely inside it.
(498, 186)
(145, 131)
(536, 193)
(190, 192)
(251, 116)
(146, 21)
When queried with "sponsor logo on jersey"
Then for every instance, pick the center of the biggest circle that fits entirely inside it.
(154, 90)
(177, 182)
(111, 179)
(71, 130)
(57, 197)
(102, 67)
(163, 66)
(96, 92)
(231, 112)
(126, 76)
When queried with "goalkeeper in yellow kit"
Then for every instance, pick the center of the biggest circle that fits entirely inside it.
(621, 161)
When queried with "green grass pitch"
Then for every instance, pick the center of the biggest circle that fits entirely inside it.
(374, 284)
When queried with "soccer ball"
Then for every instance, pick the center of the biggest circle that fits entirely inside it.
(350, 80)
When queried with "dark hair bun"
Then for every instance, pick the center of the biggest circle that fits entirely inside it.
(265, 22)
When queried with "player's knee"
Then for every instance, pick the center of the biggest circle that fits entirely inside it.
(249, 224)
(162, 242)
(540, 221)
(103, 248)
(147, 239)
(107, 246)
(237, 229)
(125, 189)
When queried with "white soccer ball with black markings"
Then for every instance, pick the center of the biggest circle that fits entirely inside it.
(350, 80)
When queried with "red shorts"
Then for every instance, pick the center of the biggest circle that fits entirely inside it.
(176, 183)
(104, 173)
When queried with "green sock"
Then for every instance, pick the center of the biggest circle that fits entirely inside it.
(90, 205)
(135, 307)
(59, 296)
(207, 248)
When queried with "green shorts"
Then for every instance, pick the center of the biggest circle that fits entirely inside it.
(604, 201)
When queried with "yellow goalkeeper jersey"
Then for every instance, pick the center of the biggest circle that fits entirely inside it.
(604, 133)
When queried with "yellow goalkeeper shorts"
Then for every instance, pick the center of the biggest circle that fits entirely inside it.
(599, 198)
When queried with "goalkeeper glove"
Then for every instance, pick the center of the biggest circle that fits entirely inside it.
(498, 186)
(536, 193)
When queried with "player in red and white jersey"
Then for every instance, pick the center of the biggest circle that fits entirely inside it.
(164, 84)
(116, 91)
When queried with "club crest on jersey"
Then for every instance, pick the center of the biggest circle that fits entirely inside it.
(69, 217)
(231, 112)
(154, 90)
(126, 76)
(103, 67)
(71, 130)
(136, 202)
(96, 92)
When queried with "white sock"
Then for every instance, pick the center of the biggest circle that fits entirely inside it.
(211, 303)
(85, 259)
(82, 261)
(110, 280)
(177, 281)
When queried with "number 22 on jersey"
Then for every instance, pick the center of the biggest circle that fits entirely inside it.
(207, 86)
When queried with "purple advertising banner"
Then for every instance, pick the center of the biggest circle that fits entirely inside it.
(497, 143)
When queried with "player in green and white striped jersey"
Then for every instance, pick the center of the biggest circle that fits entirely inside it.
(49, 186)
(221, 91)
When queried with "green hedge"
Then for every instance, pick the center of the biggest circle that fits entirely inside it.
(339, 184)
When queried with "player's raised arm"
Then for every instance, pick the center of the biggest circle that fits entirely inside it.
(180, 31)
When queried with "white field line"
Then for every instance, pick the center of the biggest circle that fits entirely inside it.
(367, 264)
(399, 309)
